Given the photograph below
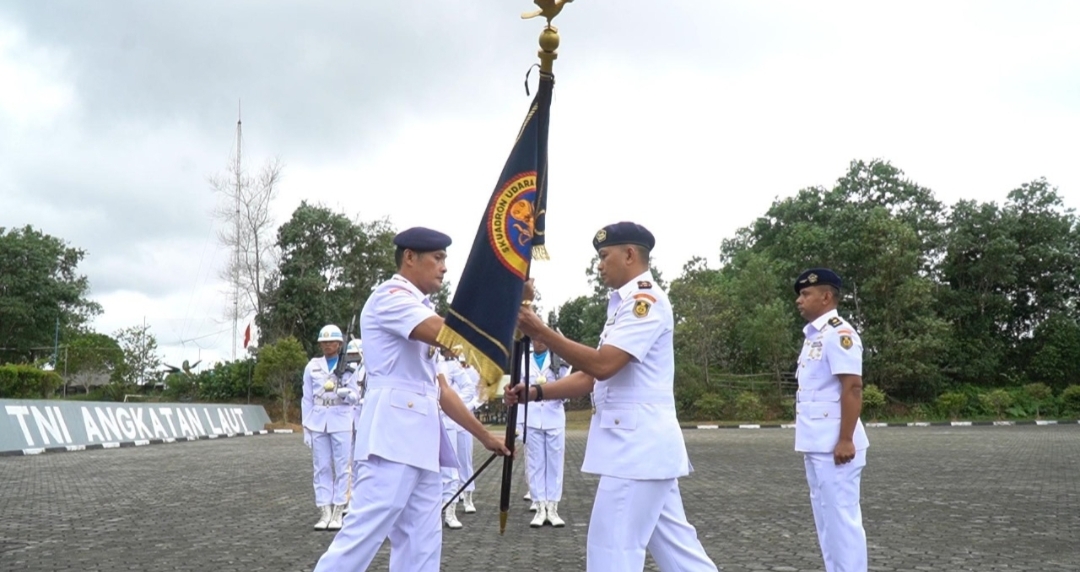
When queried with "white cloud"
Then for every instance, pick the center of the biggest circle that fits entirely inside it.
(689, 117)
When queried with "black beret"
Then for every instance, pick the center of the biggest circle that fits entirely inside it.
(623, 233)
(422, 239)
(817, 277)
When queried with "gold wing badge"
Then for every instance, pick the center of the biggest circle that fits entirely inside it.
(548, 9)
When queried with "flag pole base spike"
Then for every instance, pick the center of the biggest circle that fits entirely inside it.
(502, 521)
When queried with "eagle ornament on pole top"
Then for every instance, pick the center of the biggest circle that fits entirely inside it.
(549, 36)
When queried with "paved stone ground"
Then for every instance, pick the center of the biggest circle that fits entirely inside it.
(935, 499)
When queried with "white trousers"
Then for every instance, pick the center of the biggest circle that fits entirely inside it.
(630, 516)
(545, 449)
(396, 501)
(834, 496)
(330, 454)
(464, 458)
(451, 477)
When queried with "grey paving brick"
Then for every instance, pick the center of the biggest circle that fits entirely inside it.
(934, 499)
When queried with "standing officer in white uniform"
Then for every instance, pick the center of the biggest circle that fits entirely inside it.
(400, 442)
(354, 374)
(545, 439)
(467, 381)
(635, 443)
(447, 369)
(828, 430)
(327, 412)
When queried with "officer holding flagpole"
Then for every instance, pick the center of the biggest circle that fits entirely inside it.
(400, 441)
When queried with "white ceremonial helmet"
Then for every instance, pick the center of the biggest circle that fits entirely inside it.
(355, 347)
(331, 333)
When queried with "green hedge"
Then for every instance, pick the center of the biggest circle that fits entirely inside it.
(28, 382)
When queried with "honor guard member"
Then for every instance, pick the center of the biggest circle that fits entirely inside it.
(400, 442)
(545, 444)
(468, 388)
(446, 369)
(635, 443)
(828, 430)
(354, 354)
(327, 415)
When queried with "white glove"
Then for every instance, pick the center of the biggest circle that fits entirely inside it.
(345, 394)
(307, 438)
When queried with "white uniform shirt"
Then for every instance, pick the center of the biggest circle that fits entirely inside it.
(357, 374)
(832, 347)
(400, 418)
(451, 371)
(635, 433)
(325, 411)
(543, 414)
(466, 383)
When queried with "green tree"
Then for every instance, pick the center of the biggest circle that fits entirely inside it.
(701, 311)
(883, 234)
(142, 365)
(329, 266)
(277, 368)
(92, 359)
(39, 287)
(978, 273)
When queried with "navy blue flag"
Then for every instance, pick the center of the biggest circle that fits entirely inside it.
(483, 313)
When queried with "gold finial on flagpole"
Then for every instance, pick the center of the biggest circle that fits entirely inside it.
(549, 36)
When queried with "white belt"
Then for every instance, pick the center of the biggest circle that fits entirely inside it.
(633, 395)
(421, 387)
(818, 395)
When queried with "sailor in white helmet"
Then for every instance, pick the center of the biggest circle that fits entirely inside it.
(327, 415)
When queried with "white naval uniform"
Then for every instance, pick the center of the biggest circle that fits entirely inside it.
(400, 442)
(545, 435)
(451, 476)
(832, 347)
(329, 420)
(467, 381)
(636, 445)
(356, 375)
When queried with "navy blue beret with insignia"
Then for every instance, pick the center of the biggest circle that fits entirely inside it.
(817, 277)
(422, 239)
(623, 233)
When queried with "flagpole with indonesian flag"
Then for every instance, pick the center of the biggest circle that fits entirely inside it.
(482, 318)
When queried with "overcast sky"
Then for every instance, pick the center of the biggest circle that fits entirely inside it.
(114, 113)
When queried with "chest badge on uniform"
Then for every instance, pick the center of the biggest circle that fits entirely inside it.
(846, 342)
(641, 308)
(431, 352)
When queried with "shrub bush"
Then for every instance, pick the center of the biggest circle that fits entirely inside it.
(952, 403)
(873, 400)
(28, 382)
(748, 406)
(709, 407)
(1070, 400)
(997, 401)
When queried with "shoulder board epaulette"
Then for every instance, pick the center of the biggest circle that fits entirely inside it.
(835, 321)
(644, 285)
